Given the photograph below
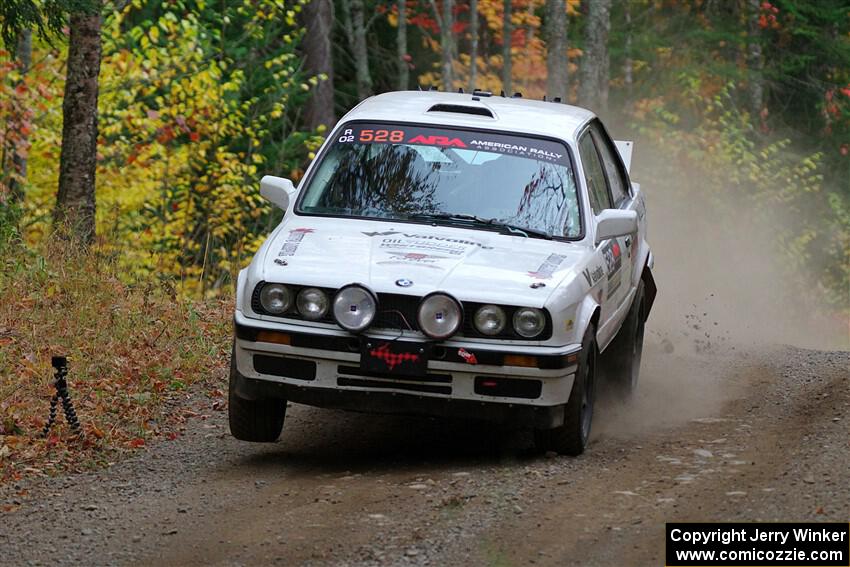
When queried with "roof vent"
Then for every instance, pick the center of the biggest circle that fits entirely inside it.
(461, 109)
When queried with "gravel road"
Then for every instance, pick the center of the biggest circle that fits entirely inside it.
(760, 436)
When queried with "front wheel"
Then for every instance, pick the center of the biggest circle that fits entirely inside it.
(259, 421)
(571, 438)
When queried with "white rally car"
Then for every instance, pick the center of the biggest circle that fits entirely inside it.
(448, 254)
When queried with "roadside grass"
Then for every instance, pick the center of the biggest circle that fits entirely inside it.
(134, 352)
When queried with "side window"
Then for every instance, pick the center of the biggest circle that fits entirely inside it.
(616, 179)
(597, 188)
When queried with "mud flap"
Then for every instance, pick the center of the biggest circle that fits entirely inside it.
(650, 291)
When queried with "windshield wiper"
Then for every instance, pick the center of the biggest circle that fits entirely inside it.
(448, 217)
(462, 217)
(524, 231)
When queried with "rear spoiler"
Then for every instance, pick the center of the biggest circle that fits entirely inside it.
(625, 149)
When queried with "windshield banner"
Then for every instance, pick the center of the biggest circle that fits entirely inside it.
(532, 148)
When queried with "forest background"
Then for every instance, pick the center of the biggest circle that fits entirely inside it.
(133, 134)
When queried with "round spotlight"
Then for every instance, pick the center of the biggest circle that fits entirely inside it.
(490, 320)
(354, 307)
(275, 298)
(312, 303)
(439, 316)
(529, 322)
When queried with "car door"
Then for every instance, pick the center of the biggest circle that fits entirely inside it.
(622, 197)
(615, 286)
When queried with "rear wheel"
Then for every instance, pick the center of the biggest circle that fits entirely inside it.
(571, 438)
(622, 358)
(253, 420)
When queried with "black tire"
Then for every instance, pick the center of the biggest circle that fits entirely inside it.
(571, 438)
(622, 359)
(260, 421)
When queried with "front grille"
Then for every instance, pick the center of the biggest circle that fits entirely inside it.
(397, 311)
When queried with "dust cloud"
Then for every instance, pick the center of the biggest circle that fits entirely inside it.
(724, 297)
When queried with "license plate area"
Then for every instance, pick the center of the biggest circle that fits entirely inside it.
(396, 358)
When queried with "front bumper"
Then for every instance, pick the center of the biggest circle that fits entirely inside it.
(321, 367)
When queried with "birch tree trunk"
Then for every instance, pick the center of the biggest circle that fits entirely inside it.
(19, 163)
(755, 63)
(355, 29)
(507, 63)
(318, 60)
(75, 201)
(473, 44)
(593, 89)
(628, 66)
(401, 45)
(447, 44)
(557, 72)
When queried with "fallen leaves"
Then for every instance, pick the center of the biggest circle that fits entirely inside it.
(133, 353)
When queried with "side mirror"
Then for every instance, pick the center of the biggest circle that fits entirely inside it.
(277, 190)
(612, 223)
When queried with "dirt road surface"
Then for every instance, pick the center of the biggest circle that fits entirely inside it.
(757, 436)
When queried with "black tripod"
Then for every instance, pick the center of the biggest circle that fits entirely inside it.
(60, 365)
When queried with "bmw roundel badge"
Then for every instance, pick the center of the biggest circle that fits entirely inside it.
(404, 282)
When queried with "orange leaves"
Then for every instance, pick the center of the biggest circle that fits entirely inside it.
(767, 17)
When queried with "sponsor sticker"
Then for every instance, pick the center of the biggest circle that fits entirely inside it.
(520, 146)
(614, 262)
(548, 267)
(593, 275)
(414, 258)
(467, 356)
(411, 242)
(293, 241)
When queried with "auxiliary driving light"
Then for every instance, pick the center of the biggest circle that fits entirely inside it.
(439, 316)
(354, 308)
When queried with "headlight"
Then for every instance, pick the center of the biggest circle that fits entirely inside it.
(312, 303)
(529, 322)
(439, 316)
(354, 307)
(275, 298)
(490, 320)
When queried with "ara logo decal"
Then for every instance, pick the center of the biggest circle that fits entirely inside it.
(443, 141)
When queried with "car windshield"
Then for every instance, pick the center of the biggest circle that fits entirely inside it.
(403, 172)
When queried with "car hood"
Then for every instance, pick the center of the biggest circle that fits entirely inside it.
(416, 259)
